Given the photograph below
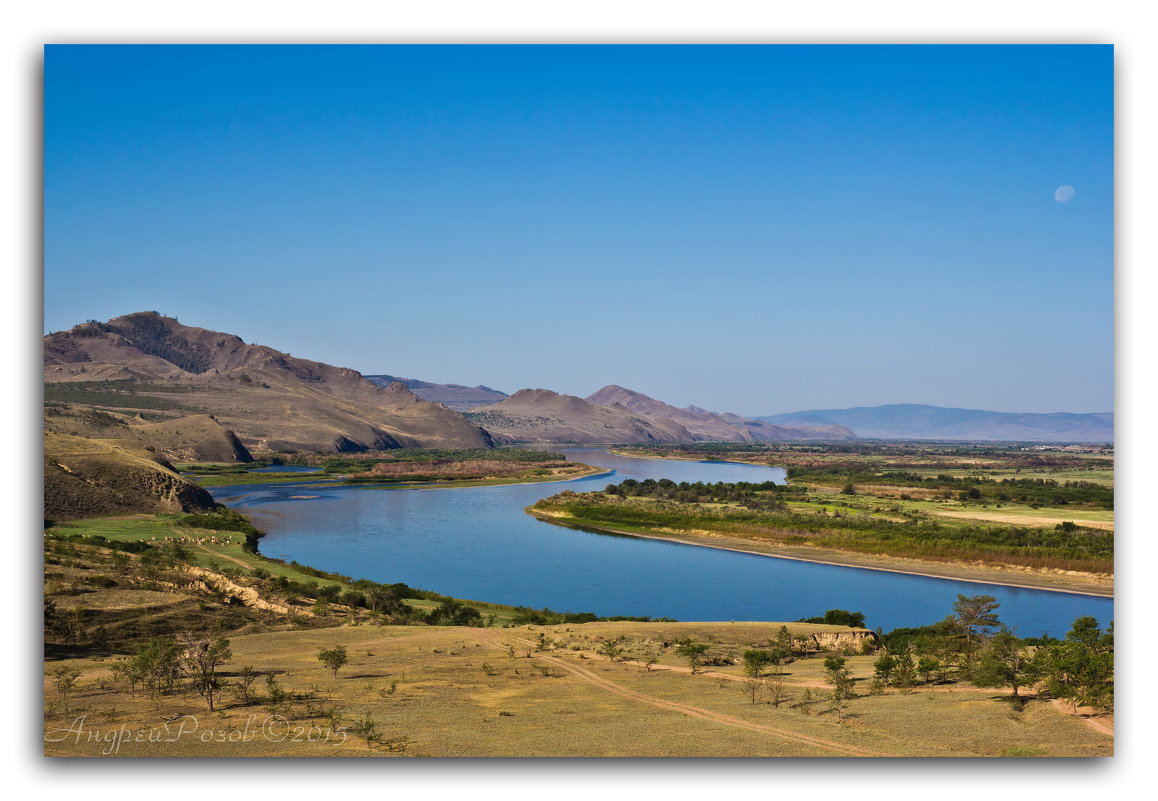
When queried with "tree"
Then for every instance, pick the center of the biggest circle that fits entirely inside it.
(927, 666)
(754, 685)
(454, 613)
(201, 658)
(884, 666)
(904, 674)
(1007, 662)
(64, 679)
(693, 652)
(839, 617)
(777, 692)
(755, 662)
(837, 703)
(839, 676)
(612, 649)
(976, 615)
(245, 679)
(157, 665)
(1081, 668)
(333, 658)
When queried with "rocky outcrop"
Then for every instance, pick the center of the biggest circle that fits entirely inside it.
(851, 641)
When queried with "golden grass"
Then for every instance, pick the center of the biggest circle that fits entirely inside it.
(430, 696)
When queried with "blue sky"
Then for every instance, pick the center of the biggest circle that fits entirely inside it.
(750, 229)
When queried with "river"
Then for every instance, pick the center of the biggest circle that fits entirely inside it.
(478, 543)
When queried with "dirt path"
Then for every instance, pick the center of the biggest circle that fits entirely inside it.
(1099, 723)
(225, 556)
(686, 709)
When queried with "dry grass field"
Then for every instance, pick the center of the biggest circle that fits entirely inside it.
(452, 691)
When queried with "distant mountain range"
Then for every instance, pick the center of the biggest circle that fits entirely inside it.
(918, 421)
(188, 394)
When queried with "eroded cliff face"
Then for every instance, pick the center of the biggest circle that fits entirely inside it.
(852, 641)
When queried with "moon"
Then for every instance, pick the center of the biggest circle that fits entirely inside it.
(1064, 193)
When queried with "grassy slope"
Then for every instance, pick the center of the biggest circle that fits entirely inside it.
(222, 550)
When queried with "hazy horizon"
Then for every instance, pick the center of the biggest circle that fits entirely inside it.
(754, 229)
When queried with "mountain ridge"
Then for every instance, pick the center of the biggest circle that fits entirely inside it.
(270, 399)
(707, 426)
(924, 421)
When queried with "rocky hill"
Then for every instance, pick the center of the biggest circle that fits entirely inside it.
(453, 396)
(155, 366)
(918, 421)
(540, 415)
(710, 426)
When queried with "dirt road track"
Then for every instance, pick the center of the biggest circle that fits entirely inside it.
(495, 641)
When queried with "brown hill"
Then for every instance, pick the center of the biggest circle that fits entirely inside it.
(540, 415)
(154, 365)
(87, 477)
(453, 396)
(710, 426)
(196, 438)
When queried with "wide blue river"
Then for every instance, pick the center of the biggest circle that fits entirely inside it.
(479, 543)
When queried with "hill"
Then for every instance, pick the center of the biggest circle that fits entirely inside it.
(86, 477)
(154, 366)
(710, 426)
(453, 396)
(918, 421)
(540, 415)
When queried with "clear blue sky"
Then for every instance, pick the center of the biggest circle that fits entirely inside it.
(750, 229)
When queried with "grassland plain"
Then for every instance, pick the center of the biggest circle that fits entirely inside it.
(1039, 516)
(451, 691)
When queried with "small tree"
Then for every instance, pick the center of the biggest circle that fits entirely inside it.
(756, 662)
(927, 666)
(693, 652)
(333, 658)
(1006, 662)
(243, 688)
(776, 692)
(64, 679)
(612, 649)
(839, 676)
(884, 666)
(753, 686)
(201, 658)
(904, 674)
(157, 665)
(837, 703)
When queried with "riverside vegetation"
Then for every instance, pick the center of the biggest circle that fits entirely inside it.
(1046, 514)
(463, 467)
